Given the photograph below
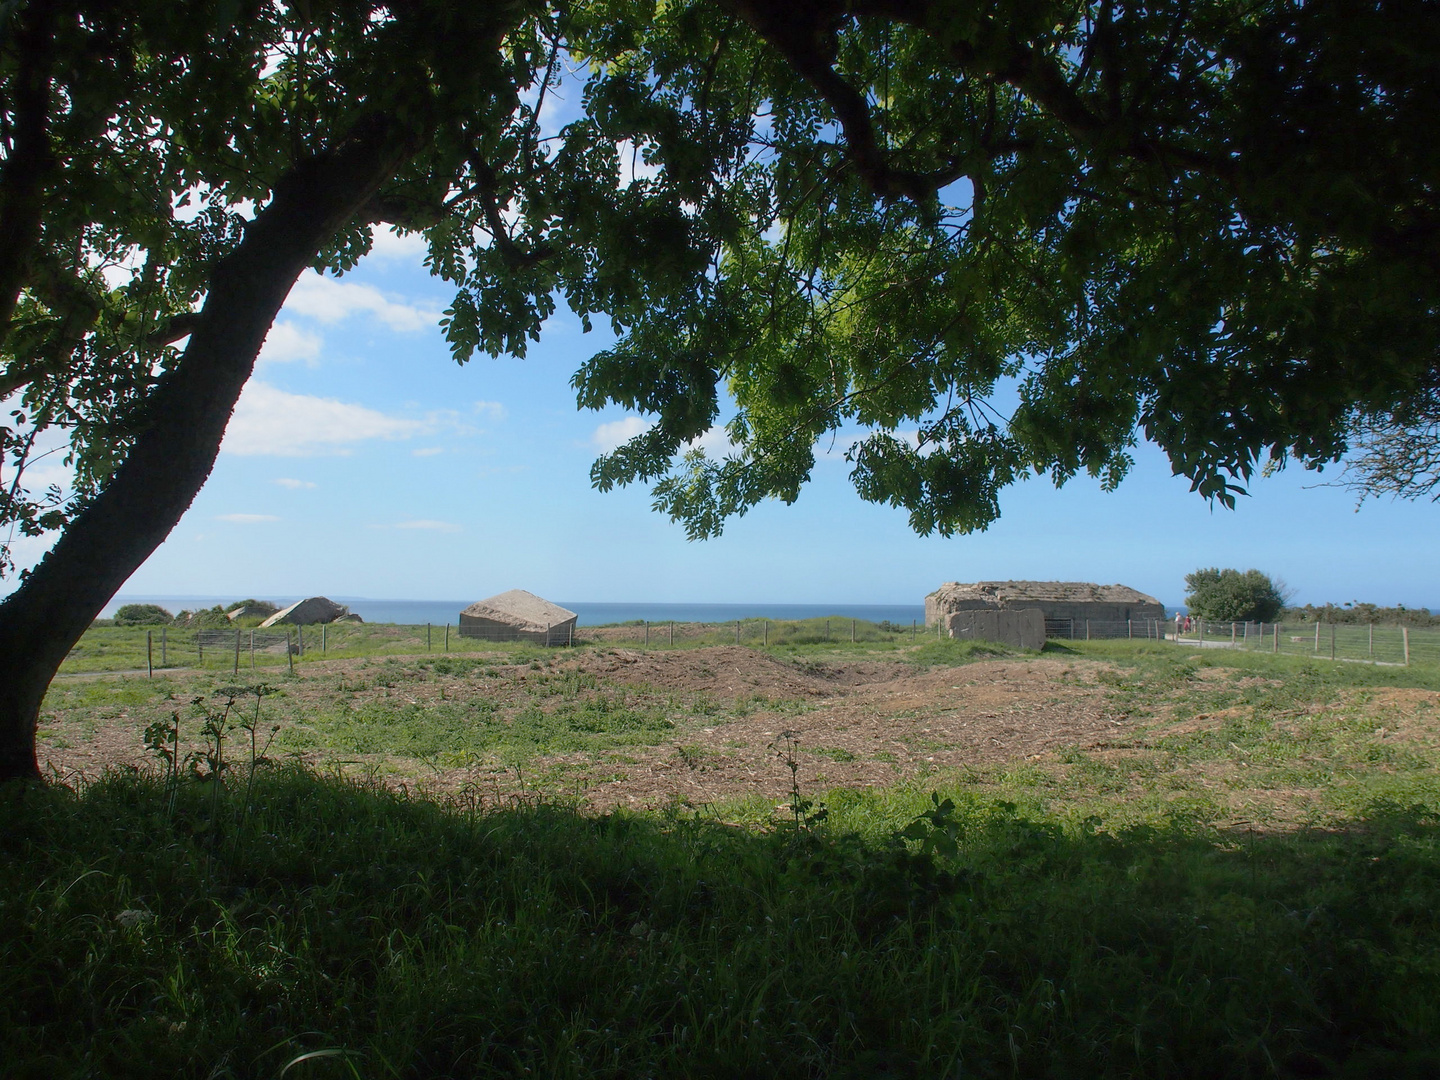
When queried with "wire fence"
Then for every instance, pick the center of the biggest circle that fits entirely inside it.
(161, 648)
(1100, 629)
(1360, 642)
(763, 632)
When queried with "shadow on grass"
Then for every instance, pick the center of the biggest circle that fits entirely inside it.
(225, 935)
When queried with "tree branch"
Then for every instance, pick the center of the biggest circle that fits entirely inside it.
(485, 188)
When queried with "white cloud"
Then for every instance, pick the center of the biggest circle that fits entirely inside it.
(609, 436)
(246, 519)
(428, 451)
(330, 301)
(294, 485)
(492, 409)
(389, 244)
(271, 421)
(715, 442)
(425, 523)
(44, 472)
(287, 342)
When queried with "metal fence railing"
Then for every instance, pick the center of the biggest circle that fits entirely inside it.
(559, 634)
(1097, 629)
(1364, 642)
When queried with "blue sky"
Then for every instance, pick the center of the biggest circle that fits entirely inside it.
(362, 461)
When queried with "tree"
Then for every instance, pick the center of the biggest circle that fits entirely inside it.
(1397, 453)
(870, 220)
(142, 615)
(1232, 596)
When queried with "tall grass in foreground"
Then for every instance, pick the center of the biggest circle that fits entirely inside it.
(343, 930)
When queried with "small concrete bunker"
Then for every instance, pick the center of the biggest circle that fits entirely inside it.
(518, 615)
(311, 610)
(1069, 609)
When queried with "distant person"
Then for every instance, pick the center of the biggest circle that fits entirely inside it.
(1188, 624)
(1179, 624)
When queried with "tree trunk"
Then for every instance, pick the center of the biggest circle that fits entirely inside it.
(188, 411)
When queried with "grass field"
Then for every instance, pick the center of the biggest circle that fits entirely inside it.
(1232, 870)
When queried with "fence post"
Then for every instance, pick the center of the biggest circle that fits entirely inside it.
(162, 645)
(149, 653)
(199, 650)
(737, 631)
(1277, 638)
(325, 638)
(299, 639)
(1317, 635)
(237, 650)
(647, 633)
(765, 630)
(447, 637)
(290, 652)
(1405, 640)
(672, 631)
(1232, 631)
(570, 635)
(1201, 623)
(1087, 629)
(852, 631)
(252, 650)
(1129, 628)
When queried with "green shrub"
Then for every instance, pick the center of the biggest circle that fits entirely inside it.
(142, 615)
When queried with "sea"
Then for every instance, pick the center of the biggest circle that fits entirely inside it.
(592, 613)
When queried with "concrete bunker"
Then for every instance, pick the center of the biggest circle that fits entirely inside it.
(307, 612)
(1069, 609)
(518, 615)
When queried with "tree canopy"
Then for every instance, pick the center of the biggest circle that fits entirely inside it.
(1233, 596)
(966, 241)
(974, 240)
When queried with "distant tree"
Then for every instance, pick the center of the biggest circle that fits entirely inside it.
(142, 615)
(263, 608)
(1233, 596)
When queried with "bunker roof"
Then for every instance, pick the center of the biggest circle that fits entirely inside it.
(1070, 592)
(520, 609)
